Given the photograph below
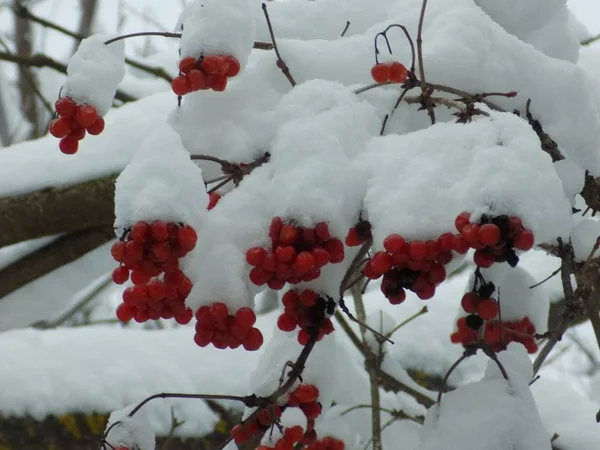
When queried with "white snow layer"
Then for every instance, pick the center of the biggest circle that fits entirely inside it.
(94, 72)
(132, 432)
(215, 27)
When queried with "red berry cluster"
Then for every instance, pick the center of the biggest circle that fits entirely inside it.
(208, 72)
(145, 252)
(73, 122)
(266, 418)
(298, 254)
(327, 443)
(393, 72)
(306, 310)
(416, 265)
(493, 238)
(359, 234)
(497, 335)
(217, 327)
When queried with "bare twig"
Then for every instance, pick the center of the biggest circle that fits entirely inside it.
(423, 311)
(249, 401)
(425, 91)
(280, 62)
(591, 40)
(345, 29)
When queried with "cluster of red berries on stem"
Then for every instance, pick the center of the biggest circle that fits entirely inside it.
(493, 238)
(73, 122)
(145, 252)
(497, 334)
(305, 309)
(207, 72)
(393, 72)
(304, 397)
(415, 265)
(223, 330)
(297, 254)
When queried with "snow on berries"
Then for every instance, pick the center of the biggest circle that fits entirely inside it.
(73, 122)
(149, 255)
(207, 72)
(307, 310)
(217, 326)
(216, 29)
(297, 254)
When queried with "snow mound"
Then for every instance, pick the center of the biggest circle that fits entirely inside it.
(420, 182)
(584, 237)
(214, 27)
(94, 72)
(133, 432)
(160, 182)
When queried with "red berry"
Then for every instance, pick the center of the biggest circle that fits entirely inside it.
(125, 312)
(59, 128)
(322, 256)
(285, 253)
(308, 298)
(288, 235)
(211, 64)
(417, 250)
(68, 145)
(398, 297)
(234, 66)
(187, 238)
(270, 263)
(489, 234)
(65, 106)
(293, 434)
(283, 444)
(303, 337)
(335, 248)
(213, 199)
(245, 317)
(311, 410)
(352, 239)
(97, 127)
(197, 80)
(286, 323)
(381, 262)
(381, 72)
(120, 275)
(459, 244)
(86, 115)
(156, 290)
(426, 293)
(394, 244)
(139, 278)
(487, 309)
(524, 240)
(306, 393)
(187, 64)
(217, 83)
(139, 232)
(219, 312)
(255, 256)
(254, 340)
(461, 220)
(398, 73)
(483, 259)
(322, 231)
(181, 85)
(445, 242)
(118, 251)
(437, 274)
(159, 231)
(305, 261)
(469, 302)
(470, 232)
(275, 284)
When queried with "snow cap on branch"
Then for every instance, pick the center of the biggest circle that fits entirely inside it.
(133, 432)
(95, 71)
(160, 182)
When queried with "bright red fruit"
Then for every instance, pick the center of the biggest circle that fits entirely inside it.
(65, 106)
(417, 250)
(394, 244)
(86, 115)
(487, 309)
(398, 73)
(489, 234)
(68, 145)
(187, 64)
(254, 340)
(524, 240)
(97, 127)
(381, 262)
(461, 220)
(381, 72)
(469, 302)
(59, 128)
(181, 85)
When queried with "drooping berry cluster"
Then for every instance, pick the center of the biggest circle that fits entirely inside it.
(207, 72)
(73, 122)
(147, 251)
(359, 234)
(416, 265)
(484, 307)
(304, 309)
(297, 254)
(327, 443)
(497, 334)
(393, 72)
(493, 238)
(266, 418)
(223, 330)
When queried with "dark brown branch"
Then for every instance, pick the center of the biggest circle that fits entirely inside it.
(548, 144)
(58, 253)
(40, 60)
(57, 210)
(280, 62)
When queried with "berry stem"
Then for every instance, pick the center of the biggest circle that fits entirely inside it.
(280, 63)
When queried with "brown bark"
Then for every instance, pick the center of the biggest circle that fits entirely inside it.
(57, 210)
(58, 253)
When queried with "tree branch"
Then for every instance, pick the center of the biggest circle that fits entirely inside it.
(57, 210)
(62, 251)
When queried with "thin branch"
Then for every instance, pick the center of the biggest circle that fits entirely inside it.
(591, 40)
(425, 92)
(423, 311)
(345, 29)
(280, 62)
(249, 401)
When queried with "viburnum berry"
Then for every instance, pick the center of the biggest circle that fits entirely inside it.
(72, 123)
(487, 309)
(181, 85)
(469, 302)
(394, 244)
(398, 73)
(213, 199)
(381, 72)
(68, 145)
(59, 128)
(524, 240)
(489, 234)
(86, 115)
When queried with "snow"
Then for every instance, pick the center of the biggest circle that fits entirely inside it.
(463, 168)
(132, 432)
(160, 182)
(572, 177)
(215, 27)
(584, 237)
(98, 65)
